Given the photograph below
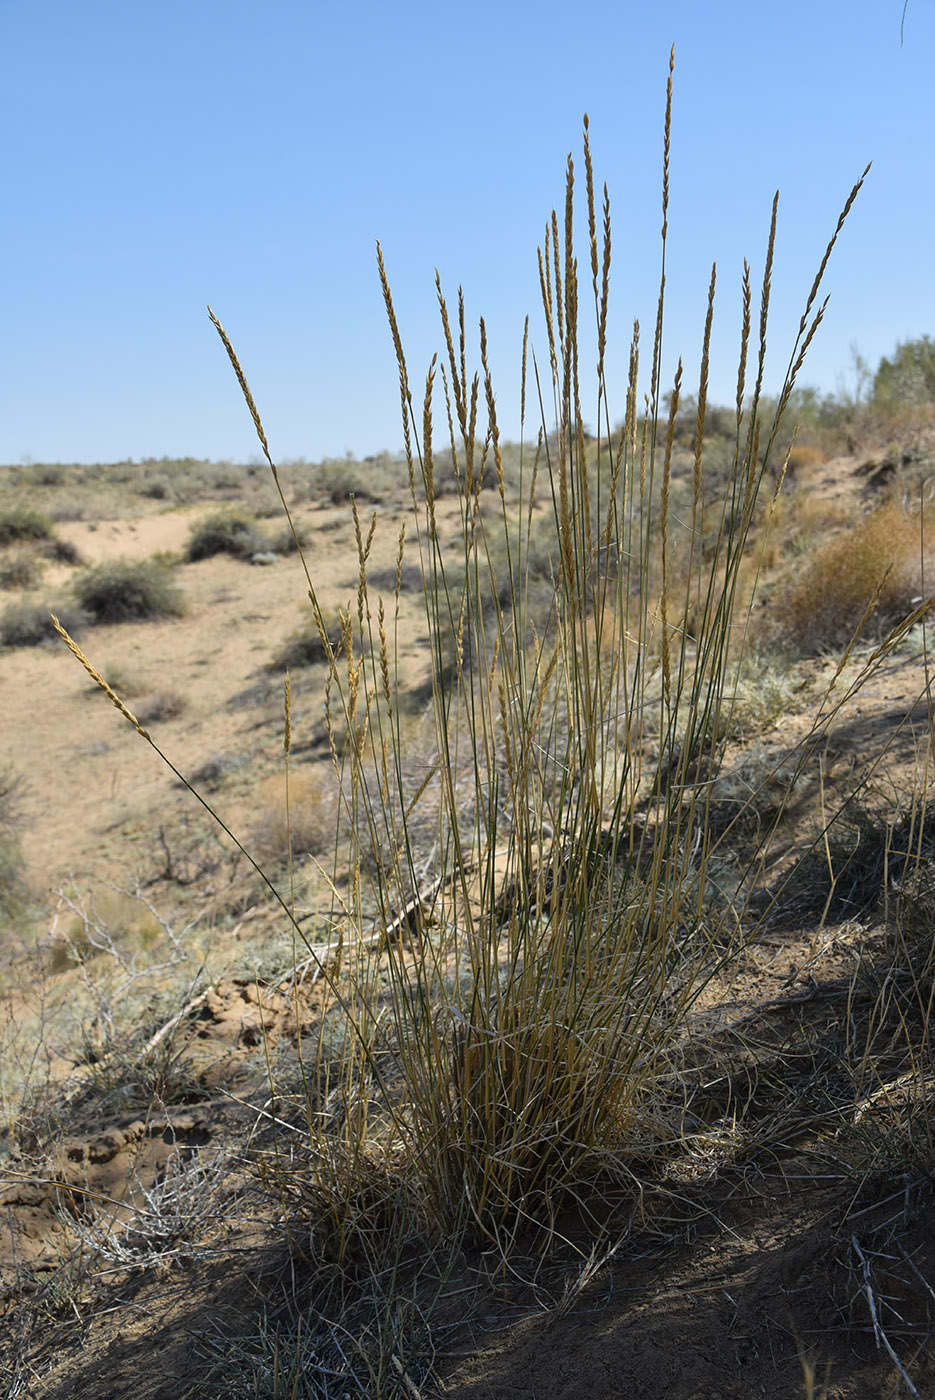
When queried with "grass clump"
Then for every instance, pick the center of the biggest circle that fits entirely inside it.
(224, 532)
(540, 882)
(520, 925)
(125, 590)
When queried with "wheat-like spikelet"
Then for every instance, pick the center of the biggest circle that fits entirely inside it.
(569, 261)
(428, 459)
(557, 274)
(764, 297)
(834, 238)
(654, 388)
(287, 717)
(451, 425)
(744, 341)
(592, 223)
(492, 413)
(96, 676)
(384, 657)
(605, 291)
(703, 394)
(244, 386)
(404, 396)
(664, 522)
(800, 359)
(462, 338)
(522, 382)
(459, 388)
(666, 147)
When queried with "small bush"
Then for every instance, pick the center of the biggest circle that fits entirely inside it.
(18, 570)
(123, 681)
(305, 647)
(21, 522)
(285, 542)
(160, 706)
(62, 552)
(309, 826)
(213, 773)
(826, 603)
(384, 580)
(29, 624)
(339, 481)
(45, 474)
(125, 590)
(802, 458)
(224, 532)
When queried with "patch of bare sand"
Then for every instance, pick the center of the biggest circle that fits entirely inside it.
(87, 774)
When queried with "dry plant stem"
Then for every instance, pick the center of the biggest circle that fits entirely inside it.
(880, 1336)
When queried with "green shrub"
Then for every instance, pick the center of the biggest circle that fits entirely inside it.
(22, 522)
(45, 474)
(907, 380)
(125, 590)
(224, 532)
(339, 481)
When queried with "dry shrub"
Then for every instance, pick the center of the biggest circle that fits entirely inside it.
(825, 605)
(304, 827)
(801, 522)
(126, 590)
(802, 458)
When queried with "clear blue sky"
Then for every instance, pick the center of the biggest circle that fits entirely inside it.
(161, 154)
